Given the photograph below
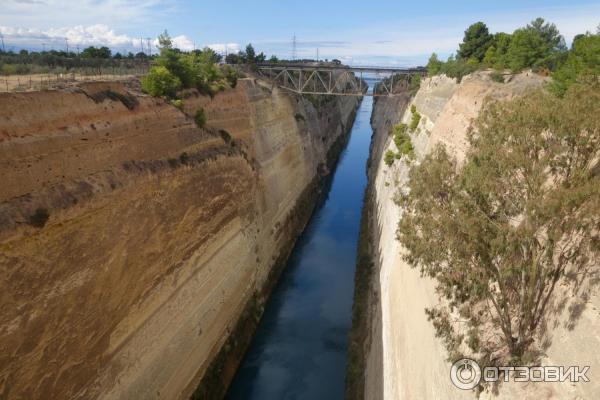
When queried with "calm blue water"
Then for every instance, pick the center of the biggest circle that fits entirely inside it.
(299, 350)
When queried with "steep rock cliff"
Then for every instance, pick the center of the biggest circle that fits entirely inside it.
(136, 250)
(404, 359)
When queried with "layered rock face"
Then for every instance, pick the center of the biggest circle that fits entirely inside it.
(136, 249)
(404, 359)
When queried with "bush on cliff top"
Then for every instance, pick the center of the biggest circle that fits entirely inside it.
(160, 82)
(538, 46)
(174, 70)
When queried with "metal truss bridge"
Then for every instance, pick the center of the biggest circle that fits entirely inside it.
(338, 80)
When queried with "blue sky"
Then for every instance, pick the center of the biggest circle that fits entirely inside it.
(360, 32)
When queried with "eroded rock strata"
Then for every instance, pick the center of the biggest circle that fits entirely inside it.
(136, 249)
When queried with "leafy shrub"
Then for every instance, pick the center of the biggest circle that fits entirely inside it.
(496, 76)
(177, 103)
(200, 118)
(582, 64)
(389, 157)
(415, 119)
(161, 83)
(196, 69)
(415, 84)
(403, 142)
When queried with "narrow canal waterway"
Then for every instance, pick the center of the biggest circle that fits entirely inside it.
(299, 350)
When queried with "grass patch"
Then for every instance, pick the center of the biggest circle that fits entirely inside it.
(200, 118)
(497, 77)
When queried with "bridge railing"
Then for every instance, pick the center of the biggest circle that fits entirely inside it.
(336, 80)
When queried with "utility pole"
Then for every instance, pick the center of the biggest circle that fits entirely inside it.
(317, 54)
(67, 43)
(142, 44)
(2, 38)
(44, 47)
(77, 47)
(294, 48)
(149, 47)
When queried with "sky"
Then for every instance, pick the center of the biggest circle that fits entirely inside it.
(396, 32)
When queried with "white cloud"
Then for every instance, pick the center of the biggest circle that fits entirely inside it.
(225, 47)
(82, 36)
(183, 43)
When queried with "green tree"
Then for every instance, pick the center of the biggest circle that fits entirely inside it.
(210, 55)
(500, 234)
(549, 33)
(434, 65)
(165, 42)
(273, 59)
(537, 45)
(160, 82)
(495, 56)
(250, 54)
(96, 52)
(582, 64)
(475, 43)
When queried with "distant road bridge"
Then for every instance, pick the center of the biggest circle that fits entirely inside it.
(337, 80)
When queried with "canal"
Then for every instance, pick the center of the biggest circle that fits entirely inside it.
(299, 350)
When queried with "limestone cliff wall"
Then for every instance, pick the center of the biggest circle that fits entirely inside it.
(404, 359)
(136, 250)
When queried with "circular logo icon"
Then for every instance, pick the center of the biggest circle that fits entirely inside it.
(465, 374)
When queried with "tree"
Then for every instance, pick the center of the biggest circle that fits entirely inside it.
(93, 52)
(582, 64)
(526, 49)
(475, 43)
(261, 57)
(549, 33)
(537, 45)
(233, 58)
(211, 56)
(495, 56)
(273, 59)
(250, 54)
(165, 42)
(434, 65)
(520, 218)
